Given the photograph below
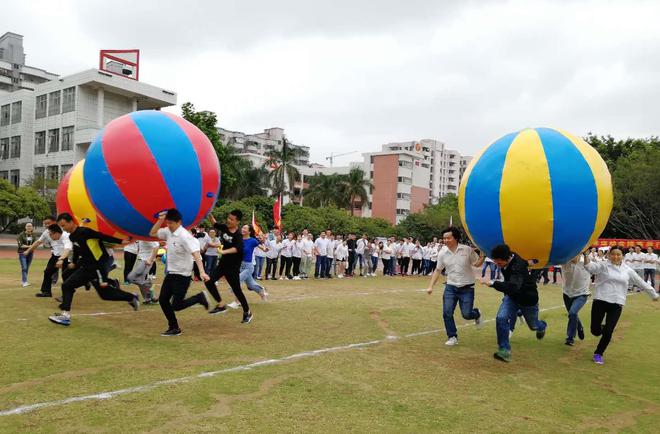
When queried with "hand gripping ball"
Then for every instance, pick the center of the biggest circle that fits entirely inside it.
(72, 198)
(544, 192)
(146, 162)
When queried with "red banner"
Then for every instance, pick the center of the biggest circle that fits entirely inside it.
(255, 226)
(606, 242)
(277, 213)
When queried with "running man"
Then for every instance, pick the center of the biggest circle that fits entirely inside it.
(229, 265)
(147, 252)
(576, 291)
(90, 256)
(458, 260)
(182, 252)
(520, 293)
(56, 248)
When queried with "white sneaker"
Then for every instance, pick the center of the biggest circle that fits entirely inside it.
(296, 278)
(282, 278)
(510, 333)
(25, 284)
(234, 305)
(452, 341)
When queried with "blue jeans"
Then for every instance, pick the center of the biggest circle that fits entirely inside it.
(374, 264)
(211, 262)
(257, 268)
(392, 266)
(573, 306)
(320, 266)
(493, 270)
(508, 310)
(246, 276)
(464, 296)
(25, 265)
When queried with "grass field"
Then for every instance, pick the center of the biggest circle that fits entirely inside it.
(399, 377)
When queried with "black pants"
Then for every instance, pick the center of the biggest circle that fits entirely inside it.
(285, 267)
(417, 266)
(405, 263)
(296, 265)
(82, 276)
(556, 270)
(49, 272)
(231, 272)
(152, 271)
(129, 263)
(611, 312)
(351, 263)
(271, 267)
(172, 297)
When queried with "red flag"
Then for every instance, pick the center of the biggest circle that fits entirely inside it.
(277, 212)
(257, 228)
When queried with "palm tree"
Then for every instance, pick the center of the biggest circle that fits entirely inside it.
(323, 190)
(355, 187)
(283, 174)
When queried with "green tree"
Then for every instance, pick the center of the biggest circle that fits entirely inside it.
(323, 190)
(284, 174)
(16, 203)
(355, 187)
(432, 220)
(239, 177)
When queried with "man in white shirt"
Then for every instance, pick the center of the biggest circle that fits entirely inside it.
(457, 260)
(650, 265)
(330, 255)
(404, 253)
(285, 256)
(320, 251)
(575, 293)
(130, 256)
(306, 260)
(362, 244)
(274, 245)
(182, 250)
(56, 248)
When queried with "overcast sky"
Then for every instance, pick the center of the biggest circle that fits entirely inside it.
(351, 75)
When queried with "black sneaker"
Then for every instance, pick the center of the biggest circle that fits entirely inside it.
(569, 342)
(171, 332)
(247, 317)
(205, 300)
(218, 310)
(580, 332)
(135, 303)
(540, 334)
(43, 294)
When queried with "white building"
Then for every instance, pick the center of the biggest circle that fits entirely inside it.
(254, 146)
(45, 130)
(14, 73)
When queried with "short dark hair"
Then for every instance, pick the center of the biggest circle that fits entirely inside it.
(65, 216)
(455, 232)
(50, 217)
(619, 248)
(173, 215)
(501, 252)
(237, 213)
(54, 228)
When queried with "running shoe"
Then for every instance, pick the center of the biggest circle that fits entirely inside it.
(135, 303)
(43, 294)
(503, 355)
(477, 321)
(598, 359)
(218, 310)
(234, 305)
(452, 341)
(580, 332)
(61, 319)
(171, 332)
(247, 317)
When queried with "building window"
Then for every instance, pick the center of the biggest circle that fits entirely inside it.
(404, 180)
(52, 172)
(64, 168)
(68, 99)
(451, 187)
(15, 177)
(406, 164)
(15, 147)
(404, 196)
(16, 112)
(369, 205)
(54, 140)
(54, 103)
(4, 115)
(40, 142)
(4, 174)
(41, 105)
(67, 138)
(371, 174)
(39, 173)
(4, 149)
(403, 212)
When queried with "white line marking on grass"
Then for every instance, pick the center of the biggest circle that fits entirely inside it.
(269, 362)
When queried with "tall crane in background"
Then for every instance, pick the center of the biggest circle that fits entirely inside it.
(332, 156)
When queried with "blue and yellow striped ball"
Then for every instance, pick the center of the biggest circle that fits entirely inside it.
(544, 192)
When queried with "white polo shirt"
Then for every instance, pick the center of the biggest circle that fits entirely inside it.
(650, 261)
(180, 247)
(287, 245)
(307, 247)
(637, 261)
(321, 245)
(458, 265)
(330, 248)
(296, 248)
(576, 279)
(145, 248)
(56, 246)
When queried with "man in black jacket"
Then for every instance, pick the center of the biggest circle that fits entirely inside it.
(520, 292)
(89, 257)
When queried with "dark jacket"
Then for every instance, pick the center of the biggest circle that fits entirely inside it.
(518, 283)
(25, 239)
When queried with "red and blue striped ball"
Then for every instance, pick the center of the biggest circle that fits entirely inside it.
(146, 162)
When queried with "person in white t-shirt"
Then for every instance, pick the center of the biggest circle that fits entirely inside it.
(650, 264)
(321, 254)
(416, 254)
(285, 257)
(56, 248)
(182, 252)
(361, 246)
(404, 250)
(307, 246)
(274, 245)
(457, 260)
(296, 255)
(575, 294)
(130, 256)
(330, 254)
(612, 281)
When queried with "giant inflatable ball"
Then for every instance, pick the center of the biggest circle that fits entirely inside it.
(544, 192)
(146, 162)
(72, 198)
